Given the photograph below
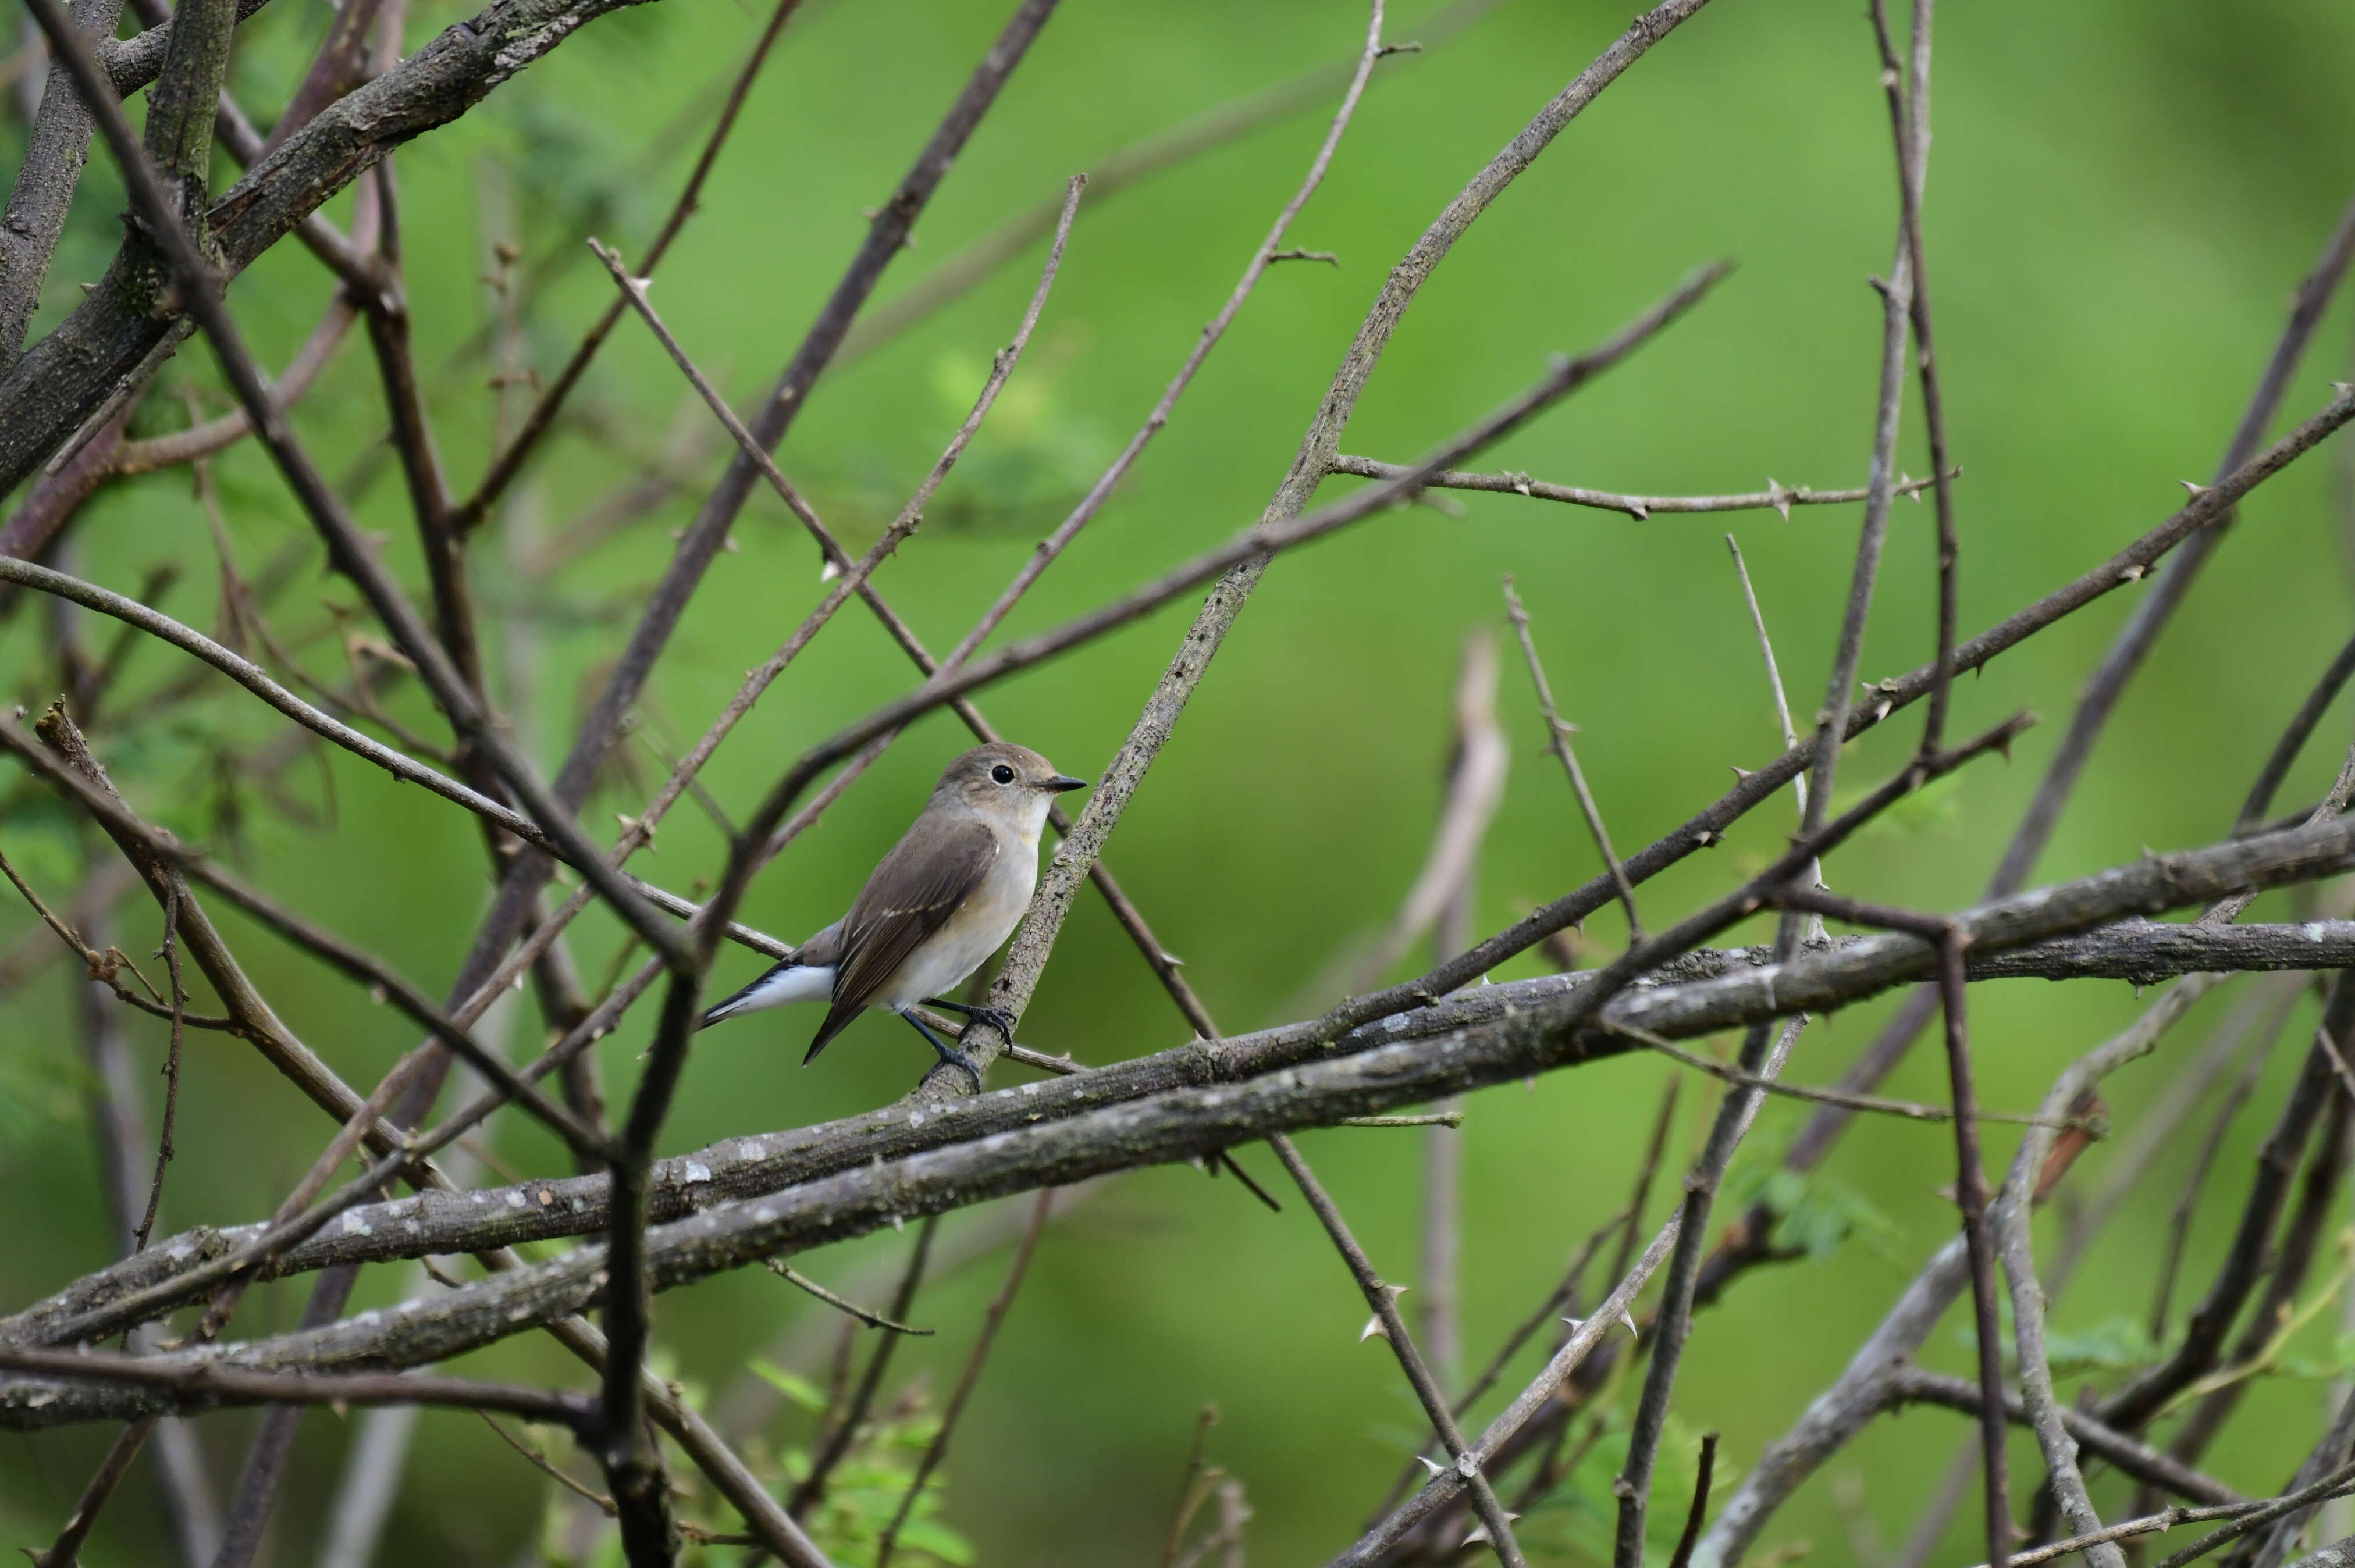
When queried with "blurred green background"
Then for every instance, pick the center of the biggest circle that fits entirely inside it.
(2123, 193)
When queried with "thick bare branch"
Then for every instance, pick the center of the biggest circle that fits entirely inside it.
(1713, 989)
(1057, 1132)
(55, 152)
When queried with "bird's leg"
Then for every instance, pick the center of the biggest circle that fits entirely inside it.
(948, 1053)
(997, 1018)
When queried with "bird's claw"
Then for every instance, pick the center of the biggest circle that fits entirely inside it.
(964, 1065)
(996, 1018)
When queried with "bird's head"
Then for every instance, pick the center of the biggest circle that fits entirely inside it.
(1009, 783)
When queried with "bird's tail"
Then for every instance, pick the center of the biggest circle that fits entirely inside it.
(791, 980)
(719, 1010)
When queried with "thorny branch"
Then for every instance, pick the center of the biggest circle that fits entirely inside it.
(933, 1158)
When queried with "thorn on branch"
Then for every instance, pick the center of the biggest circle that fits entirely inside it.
(1374, 1326)
(1479, 1532)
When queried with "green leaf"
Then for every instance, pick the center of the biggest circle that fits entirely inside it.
(1934, 809)
(793, 1386)
(936, 1540)
(2118, 1344)
(1814, 1212)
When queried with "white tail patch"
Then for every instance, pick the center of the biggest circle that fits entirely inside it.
(785, 984)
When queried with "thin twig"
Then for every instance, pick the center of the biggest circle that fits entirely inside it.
(2305, 1496)
(255, 680)
(1383, 1299)
(2179, 1227)
(2154, 1466)
(1446, 1486)
(2150, 1524)
(2294, 738)
(171, 952)
(1971, 1196)
(787, 1272)
(109, 810)
(1912, 1110)
(1815, 873)
(1193, 1486)
(1559, 733)
(65, 1550)
(1682, 1555)
(1908, 92)
(104, 968)
(549, 1468)
(1773, 498)
(1040, 1208)
(510, 460)
(842, 1426)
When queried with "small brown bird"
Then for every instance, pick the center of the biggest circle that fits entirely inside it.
(952, 889)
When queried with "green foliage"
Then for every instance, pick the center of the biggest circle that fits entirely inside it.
(572, 168)
(1038, 456)
(864, 1491)
(39, 1095)
(2115, 1345)
(799, 1391)
(866, 1488)
(186, 771)
(1814, 1212)
(2336, 1365)
(1936, 810)
(2120, 1347)
(42, 836)
(1577, 1522)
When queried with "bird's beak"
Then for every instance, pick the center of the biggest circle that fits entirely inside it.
(1062, 781)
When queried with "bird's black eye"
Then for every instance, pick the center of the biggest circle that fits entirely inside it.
(1002, 773)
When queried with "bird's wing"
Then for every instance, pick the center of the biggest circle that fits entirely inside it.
(911, 896)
